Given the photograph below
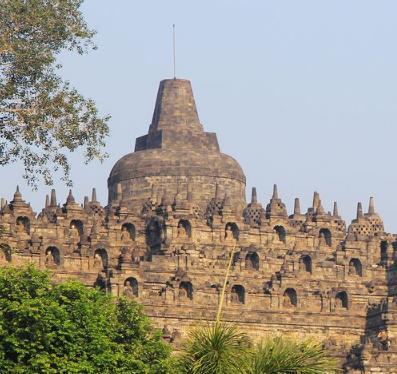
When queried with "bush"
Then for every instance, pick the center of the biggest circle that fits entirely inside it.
(69, 328)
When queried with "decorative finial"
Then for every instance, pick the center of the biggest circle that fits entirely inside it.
(316, 199)
(17, 195)
(359, 211)
(86, 202)
(297, 206)
(371, 208)
(93, 196)
(53, 200)
(254, 197)
(275, 192)
(335, 212)
(70, 198)
(47, 201)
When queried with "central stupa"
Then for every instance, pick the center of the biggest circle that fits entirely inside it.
(176, 157)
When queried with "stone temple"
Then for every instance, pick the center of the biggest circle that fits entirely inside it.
(176, 210)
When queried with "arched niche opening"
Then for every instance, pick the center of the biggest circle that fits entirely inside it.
(23, 224)
(237, 294)
(184, 229)
(131, 289)
(185, 290)
(325, 236)
(341, 300)
(76, 227)
(101, 259)
(252, 261)
(305, 264)
(128, 232)
(52, 257)
(280, 232)
(5, 253)
(383, 251)
(355, 267)
(232, 231)
(154, 234)
(290, 298)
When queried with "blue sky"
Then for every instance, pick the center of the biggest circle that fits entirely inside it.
(301, 93)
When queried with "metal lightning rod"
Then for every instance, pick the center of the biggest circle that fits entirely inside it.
(173, 44)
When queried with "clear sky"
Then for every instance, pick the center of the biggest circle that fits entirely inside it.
(302, 93)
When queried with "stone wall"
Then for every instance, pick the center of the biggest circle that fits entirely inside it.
(301, 275)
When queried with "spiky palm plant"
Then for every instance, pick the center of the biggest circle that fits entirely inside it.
(290, 356)
(214, 349)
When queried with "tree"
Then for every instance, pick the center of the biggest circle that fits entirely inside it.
(42, 117)
(69, 328)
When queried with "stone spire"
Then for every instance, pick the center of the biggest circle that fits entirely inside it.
(316, 200)
(276, 208)
(254, 198)
(17, 195)
(373, 218)
(254, 213)
(70, 199)
(93, 196)
(175, 107)
(335, 212)
(47, 201)
(371, 207)
(275, 192)
(297, 206)
(86, 202)
(53, 200)
(359, 211)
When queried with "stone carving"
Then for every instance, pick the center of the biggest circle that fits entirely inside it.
(308, 252)
(128, 291)
(49, 259)
(98, 262)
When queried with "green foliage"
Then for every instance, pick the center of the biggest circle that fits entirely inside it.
(222, 349)
(214, 349)
(287, 355)
(69, 328)
(42, 118)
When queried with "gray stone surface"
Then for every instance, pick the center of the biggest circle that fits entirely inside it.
(175, 214)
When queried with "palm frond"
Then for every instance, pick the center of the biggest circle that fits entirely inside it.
(215, 349)
(287, 355)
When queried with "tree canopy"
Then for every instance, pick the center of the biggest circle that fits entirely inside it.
(43, 118)
(69, 328)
